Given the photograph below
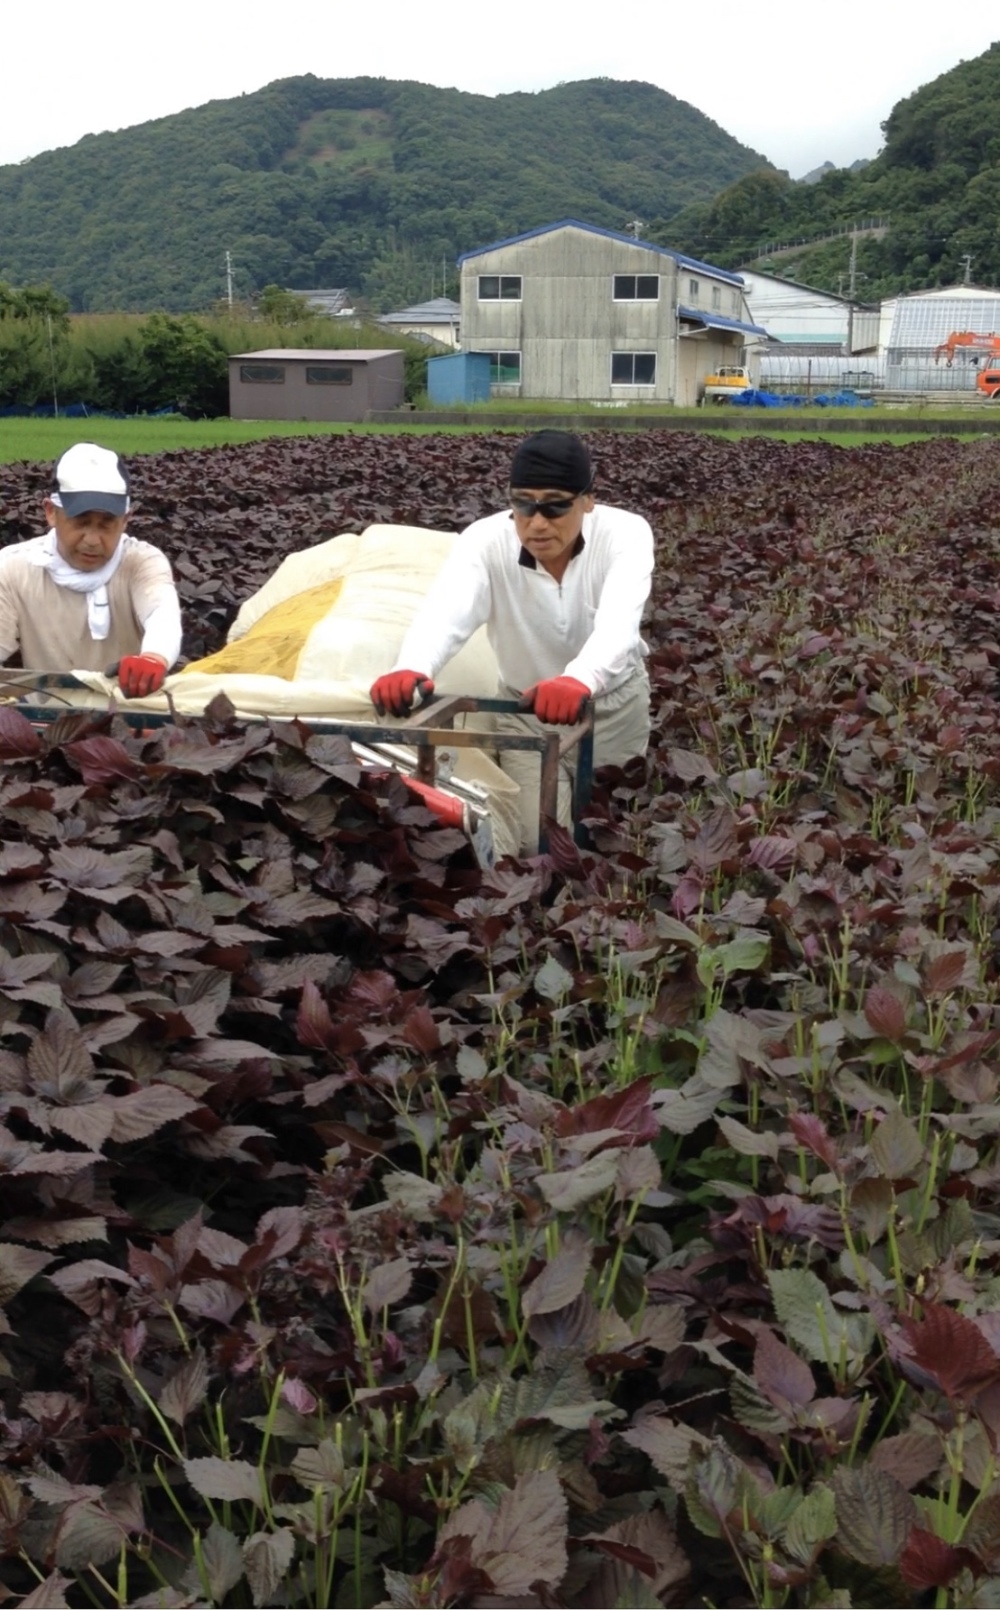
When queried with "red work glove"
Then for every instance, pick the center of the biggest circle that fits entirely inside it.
(393, 694)
(562, 700)
(139, 674)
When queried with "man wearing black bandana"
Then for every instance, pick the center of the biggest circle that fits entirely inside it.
(560, 582)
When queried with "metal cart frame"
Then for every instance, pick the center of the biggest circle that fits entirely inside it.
(427, 730)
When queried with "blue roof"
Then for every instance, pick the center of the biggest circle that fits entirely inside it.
(718, 321)
(609, 234)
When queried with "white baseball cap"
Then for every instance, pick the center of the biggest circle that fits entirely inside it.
(91, 477)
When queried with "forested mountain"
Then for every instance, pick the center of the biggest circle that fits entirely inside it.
(365, 182)
(937, 179)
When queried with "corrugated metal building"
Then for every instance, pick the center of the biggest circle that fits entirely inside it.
(578, 313)
(328, 383)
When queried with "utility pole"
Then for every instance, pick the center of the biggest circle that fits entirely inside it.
(52, 367)
(852, 272)
(635, 227)
(853, 276)
(229, 279)
(852, 284)
(967, 262)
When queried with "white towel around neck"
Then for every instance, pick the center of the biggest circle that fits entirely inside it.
(92, 582)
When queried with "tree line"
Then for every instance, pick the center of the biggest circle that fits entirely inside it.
(379, 185)
(130, 364)
(937, 179)
(366, 183)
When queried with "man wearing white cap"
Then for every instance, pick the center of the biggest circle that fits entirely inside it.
(86, 595)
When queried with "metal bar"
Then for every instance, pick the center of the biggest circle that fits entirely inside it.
(441, 710)
(43, 714)
(15, 684)
(41, 679)
(458, 703)
(583, 780)
(361, 731)
(426, 761)
(548, 787)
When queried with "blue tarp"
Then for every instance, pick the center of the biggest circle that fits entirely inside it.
(764, 399)
(76, 410)
(843, 399)
(770, 399)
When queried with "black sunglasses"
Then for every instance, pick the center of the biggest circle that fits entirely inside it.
(548, 508)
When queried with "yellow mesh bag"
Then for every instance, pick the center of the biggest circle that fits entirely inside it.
(272, 646)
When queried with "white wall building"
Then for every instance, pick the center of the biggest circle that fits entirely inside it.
(434, 321)
(335, 303)
(798, 315)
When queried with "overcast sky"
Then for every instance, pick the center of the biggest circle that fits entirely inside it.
(802, 85)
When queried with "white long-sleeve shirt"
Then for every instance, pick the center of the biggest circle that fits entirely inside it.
(49, 625)
(586, 625)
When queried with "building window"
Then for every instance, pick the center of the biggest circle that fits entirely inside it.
(717, 298)
(636, 287)
(262, 374)
(505, 368)
(633, 368)
(499, 287)
(329, 374)
(693, 290)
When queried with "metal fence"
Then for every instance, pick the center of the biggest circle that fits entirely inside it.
(907, 370)
(828, 371)
(897, 370)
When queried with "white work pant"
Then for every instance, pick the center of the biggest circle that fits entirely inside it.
(621, 731)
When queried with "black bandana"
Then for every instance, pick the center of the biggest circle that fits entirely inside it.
(552, 460)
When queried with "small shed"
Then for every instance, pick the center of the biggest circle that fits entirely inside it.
(314, 383)
(461, 377)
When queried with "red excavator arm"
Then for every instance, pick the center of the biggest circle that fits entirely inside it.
(972, 339)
